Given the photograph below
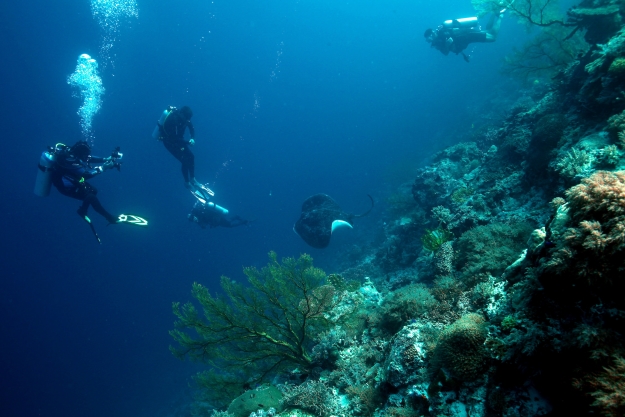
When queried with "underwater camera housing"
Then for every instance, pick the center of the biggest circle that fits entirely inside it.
(116, 155)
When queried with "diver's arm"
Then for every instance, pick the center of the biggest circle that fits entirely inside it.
(191, 130)
(443, 42)
(98, 159)
(444, 47)
(102, 164)
(86, 172)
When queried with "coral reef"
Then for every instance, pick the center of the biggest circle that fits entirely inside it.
(495, 286)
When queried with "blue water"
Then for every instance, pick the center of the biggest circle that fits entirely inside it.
(291, 98)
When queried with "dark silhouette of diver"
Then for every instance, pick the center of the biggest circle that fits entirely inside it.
(211, 215)
(171, 131)
(455, 35)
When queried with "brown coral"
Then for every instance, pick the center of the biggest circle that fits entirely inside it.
(598, 203)
(610, 389)
(460, 349)
(587, 258)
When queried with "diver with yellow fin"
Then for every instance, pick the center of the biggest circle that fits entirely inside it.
(209, 214)
(206, 213)
(68, 168)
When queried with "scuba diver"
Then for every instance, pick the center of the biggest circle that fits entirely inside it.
(73, 166)
(456, 34)
(170, 129)
(211, 215)
(68, 168)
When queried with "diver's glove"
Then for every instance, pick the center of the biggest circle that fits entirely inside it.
(191, 141)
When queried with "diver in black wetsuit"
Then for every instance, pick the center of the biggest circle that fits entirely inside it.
(73, 167)
(212, 215)
(455, 35)
(172, 134)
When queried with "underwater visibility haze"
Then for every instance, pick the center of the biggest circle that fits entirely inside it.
(293, 99)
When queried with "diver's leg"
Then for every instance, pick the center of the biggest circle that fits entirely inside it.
(84, 207)
(97, 206)
(175, 149)
(185, 173)
(491, 22)
(188, 165)
(236, 221)
(178, 151)
(83, 192)
(492, 29)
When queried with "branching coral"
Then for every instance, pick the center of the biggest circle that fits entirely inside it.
(576, 162)
(609, 388)
(543, 55)
(252, 332)
(608, 156)
(314, 396)
(542, 13)
(443, 214)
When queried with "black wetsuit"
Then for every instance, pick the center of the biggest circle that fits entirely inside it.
(172, 133)
(205, 215)
(69, 177)
(456, 40)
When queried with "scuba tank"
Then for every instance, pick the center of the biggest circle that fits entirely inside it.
(464, 23)
(156, 134)
(218, 208)
(45, 168)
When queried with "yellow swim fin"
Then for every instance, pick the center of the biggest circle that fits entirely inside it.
(132, 219)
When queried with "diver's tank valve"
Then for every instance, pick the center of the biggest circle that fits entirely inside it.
(44, 173)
